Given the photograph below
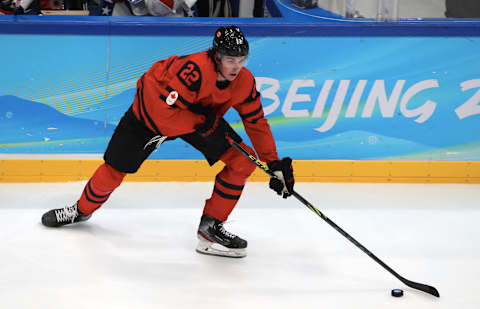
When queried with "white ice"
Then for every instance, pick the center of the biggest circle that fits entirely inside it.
(137, 251)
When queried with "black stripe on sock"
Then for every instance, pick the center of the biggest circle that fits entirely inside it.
(225, 195)
(90, 190)
(86, 193)
(228, 185)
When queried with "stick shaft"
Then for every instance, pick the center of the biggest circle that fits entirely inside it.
(425, 288)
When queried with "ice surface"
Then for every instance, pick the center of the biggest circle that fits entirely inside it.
(138, 250)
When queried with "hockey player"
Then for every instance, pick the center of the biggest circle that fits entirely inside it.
(186, 97)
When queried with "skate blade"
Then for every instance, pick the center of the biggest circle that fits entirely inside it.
(211, 248)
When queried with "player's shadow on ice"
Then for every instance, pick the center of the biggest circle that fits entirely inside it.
(86, 228)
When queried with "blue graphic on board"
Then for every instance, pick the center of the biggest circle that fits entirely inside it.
(30, 127)
(334, 98)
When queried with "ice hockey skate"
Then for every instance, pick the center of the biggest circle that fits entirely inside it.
(213, 239)
(62, 216)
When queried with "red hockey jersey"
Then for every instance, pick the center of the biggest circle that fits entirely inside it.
(171, 86)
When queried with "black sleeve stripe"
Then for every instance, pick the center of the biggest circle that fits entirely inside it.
(170, 64)
(139, 105)
(253, 94)
(148, 118)
(225, 195)
(252, 97)
(255, 120)
(164, 98)
(184, 102)
(254, 113)
(228, 185)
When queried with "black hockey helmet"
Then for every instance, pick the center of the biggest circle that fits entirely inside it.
(230, 41)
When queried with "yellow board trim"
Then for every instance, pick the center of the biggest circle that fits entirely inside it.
(49, 170)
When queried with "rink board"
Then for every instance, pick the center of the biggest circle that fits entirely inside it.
(31, 170)
(376, 102)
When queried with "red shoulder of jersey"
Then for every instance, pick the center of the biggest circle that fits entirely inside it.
(186, 75)
(167, 90)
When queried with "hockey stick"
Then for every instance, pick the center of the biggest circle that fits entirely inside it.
(419, 286)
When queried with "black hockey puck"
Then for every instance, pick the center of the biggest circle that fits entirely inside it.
(397, 293)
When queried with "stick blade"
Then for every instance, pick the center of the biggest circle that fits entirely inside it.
(422, 287)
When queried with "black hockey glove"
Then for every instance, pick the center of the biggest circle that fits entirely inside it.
(215, 128)
(210, 137)
(209, 126)
(284, 182)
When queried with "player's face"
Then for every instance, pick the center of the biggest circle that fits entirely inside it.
(229, 67)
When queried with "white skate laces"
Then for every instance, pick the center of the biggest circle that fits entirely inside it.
(69, 213)
(225, 232)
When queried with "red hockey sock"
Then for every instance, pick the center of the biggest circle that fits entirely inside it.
(99, 187)
(229, 184)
